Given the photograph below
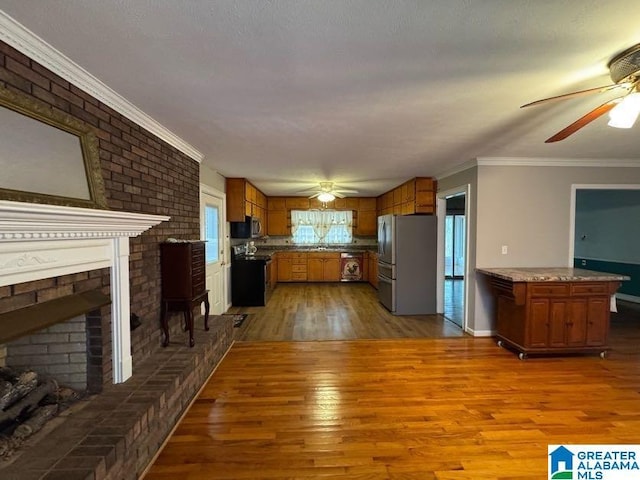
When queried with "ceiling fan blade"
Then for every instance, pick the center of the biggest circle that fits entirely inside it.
(315, 195)
(578, 93)
(584, 120)
(337, 194)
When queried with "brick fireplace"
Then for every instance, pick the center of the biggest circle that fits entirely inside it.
(49, 254)
(148, 170)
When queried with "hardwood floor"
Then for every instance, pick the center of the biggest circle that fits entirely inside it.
(454, 300)
(442, 408)
(334, 311)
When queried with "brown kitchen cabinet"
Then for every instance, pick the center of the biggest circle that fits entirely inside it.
(365, 267)
(367, 217)
(182, 266)
(553, 317)
(292, 267)
(273, 270)
(278, 217)
(373, 269)
(323, 267)
(244, 199)
(415, 196)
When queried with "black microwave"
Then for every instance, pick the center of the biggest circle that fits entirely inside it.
(250, 228)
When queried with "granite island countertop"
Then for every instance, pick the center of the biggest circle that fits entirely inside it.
(551, 274)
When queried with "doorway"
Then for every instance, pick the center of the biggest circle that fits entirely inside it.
(453, 239)
(212, 225)
(454, 258)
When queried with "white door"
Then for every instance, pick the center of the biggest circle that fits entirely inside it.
(212, 221)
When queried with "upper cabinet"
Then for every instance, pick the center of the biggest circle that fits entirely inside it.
(278, 216)
(366, 222)
(417, 195)
(245, 200)
(279, 212)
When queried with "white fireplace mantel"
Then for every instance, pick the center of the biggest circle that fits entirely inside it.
(44, 241)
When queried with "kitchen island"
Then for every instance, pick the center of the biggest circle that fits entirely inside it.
(552, 310)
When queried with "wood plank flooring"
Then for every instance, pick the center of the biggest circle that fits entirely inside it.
(334, 311)
(444, 408)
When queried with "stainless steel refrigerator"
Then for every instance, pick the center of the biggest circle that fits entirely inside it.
(407, 252)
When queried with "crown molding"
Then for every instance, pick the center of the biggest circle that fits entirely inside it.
(558, 162)
(28, 43)
(457, 169)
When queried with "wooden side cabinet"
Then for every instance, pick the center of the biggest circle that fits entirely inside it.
(183, 284)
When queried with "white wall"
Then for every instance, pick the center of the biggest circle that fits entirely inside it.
(211, 178)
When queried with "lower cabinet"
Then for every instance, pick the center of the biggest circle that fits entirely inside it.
(323, 267)
(317, 267)
(553, 317)
(292, 267)
(559, 323)
(373, 269)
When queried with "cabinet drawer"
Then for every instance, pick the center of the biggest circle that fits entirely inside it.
(299, 268)
(549, 289)
(197, 270)
(299, 276)
(589, 289)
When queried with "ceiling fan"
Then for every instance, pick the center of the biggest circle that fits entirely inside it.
(624, 70)
(328, 191)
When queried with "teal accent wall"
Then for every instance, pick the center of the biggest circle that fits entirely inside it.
(608, 225)
(630, 287)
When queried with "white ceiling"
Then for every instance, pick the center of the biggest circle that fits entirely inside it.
(365, 93)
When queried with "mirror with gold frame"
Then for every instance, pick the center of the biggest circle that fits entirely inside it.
(47, 156)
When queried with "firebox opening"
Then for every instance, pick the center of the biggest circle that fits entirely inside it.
(33, 318)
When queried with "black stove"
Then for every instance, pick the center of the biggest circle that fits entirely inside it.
(250, 277)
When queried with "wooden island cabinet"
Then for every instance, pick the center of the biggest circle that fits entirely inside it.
(552, 310)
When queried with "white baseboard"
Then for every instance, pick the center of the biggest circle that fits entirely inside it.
(628, 298)
(480, 333)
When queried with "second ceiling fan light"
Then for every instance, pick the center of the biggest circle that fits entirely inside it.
(623, 111)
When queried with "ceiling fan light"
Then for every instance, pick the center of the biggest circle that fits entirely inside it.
(625, 113)
(326, 197)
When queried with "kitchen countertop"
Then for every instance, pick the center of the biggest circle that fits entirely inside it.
(552, 274)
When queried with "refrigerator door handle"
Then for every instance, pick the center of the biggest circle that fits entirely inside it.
(383, 279)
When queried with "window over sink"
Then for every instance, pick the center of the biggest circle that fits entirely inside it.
(321, 227)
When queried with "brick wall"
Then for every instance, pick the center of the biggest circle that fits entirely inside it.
(141, 174)
(59, 351)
